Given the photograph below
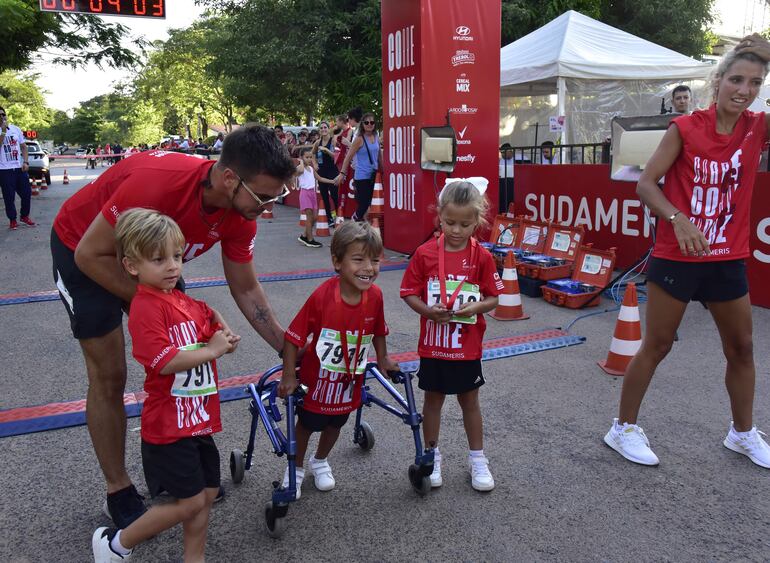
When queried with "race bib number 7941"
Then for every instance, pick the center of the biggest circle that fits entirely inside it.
(329, 349)
(195, 382)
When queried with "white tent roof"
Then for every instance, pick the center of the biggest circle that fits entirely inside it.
(576, 46)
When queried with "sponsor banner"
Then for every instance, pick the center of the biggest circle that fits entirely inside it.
(438, 56)
(612, 215)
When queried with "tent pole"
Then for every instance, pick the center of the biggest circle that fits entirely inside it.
(561, 91)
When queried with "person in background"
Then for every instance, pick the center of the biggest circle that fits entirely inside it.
(218, 143)
(547, 153)
(14, 164)
(506, 176)
(367, 151)
(323, 149)
(681, 98)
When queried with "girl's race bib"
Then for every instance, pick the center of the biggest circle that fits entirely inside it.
(469, 293)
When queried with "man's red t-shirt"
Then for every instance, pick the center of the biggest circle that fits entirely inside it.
(711, 182)
(171, 183)
(340, 158)
(452, 341)
(178, 405)
(323, 367)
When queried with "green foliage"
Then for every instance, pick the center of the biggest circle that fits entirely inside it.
(77, 39)
(23, 101)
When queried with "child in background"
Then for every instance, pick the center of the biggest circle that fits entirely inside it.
(451, 282)
(308, 201)
(177, 339)
(345, 316)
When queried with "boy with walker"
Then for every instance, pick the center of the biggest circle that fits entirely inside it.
(345, 317)
(177, 339)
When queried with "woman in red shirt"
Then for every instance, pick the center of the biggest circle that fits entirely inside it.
(709, 160)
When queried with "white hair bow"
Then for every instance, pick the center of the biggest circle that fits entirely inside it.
(479, 182)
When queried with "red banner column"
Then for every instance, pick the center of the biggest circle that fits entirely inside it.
(438, 56)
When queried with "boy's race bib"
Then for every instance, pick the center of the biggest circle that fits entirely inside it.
(329, 349)
(195, 382)
(469, 293)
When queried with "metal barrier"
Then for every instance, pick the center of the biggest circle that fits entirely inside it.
(586, 153)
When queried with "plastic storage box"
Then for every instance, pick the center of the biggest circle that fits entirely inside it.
(592, 272)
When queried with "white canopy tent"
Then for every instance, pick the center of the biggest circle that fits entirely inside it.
(587, 71)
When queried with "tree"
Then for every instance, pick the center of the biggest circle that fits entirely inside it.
(24, 101)
(77, 39)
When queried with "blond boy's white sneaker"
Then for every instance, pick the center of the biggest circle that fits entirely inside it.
(630, 441)
(751, 445)
(435, 477)
(481, 478)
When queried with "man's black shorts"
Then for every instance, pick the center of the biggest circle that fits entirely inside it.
(722, 280)
(450, 377)
(315, 422)
(183, 468)
(93, 310)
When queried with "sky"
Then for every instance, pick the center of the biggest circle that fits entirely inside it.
(66, 88)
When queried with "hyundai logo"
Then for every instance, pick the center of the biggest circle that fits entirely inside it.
(463, 30)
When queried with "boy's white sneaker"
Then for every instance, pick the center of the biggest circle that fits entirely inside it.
(481, 478)
(100, 543)
(322, 474)
(300, 473)
(435, 477)
(752, 446)
(630, 441)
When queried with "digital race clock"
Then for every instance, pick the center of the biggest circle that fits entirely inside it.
(138, 8)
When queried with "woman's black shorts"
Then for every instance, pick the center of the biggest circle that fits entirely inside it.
(450, 377)
(183, 468)
(722, 280)
(315, 422)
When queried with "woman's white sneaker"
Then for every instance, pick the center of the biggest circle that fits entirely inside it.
(322, 474)
(751, 444)
(481, 478)
(630, 441)
(300, 476)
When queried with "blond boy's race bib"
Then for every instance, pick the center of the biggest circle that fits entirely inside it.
(329, 349)
(469, 293)
(195, 382)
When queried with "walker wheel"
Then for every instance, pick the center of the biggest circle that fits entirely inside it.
(364, 436)
(275, 524)
(421, 484)
(237, 466)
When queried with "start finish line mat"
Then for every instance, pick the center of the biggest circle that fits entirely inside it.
(26, 420)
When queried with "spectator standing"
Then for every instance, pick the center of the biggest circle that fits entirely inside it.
(327, 170)
(548, 154)
(218, 143)
(681, 97)
(367, 151)
(506, 176)
(14, 165)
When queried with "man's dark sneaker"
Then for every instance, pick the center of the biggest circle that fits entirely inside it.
(302, 239)
(124, 506)
(314, 244)
(27, 221)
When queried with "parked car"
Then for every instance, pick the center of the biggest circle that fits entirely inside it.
(38, 162)
(81, 151)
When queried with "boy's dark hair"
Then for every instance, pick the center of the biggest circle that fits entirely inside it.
(303, 152)
(255, 149)
(343, 117)
(546, 144)
(681, 88)
(278, 128)
(356, 113)
(351, 232)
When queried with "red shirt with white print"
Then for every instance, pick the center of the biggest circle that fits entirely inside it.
(711, 182)
(323, 369)
(169, 182)
(474, 264)
(178, 405)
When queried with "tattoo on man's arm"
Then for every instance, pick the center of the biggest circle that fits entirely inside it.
(261, 314)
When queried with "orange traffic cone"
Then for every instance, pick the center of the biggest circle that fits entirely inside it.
(266, 214)
(628, 335)
(43, 184)
(302, 218)
(376, 225)
(377, 206)
(66, 178)
(322, 224)
(35, 184)
(509, 306)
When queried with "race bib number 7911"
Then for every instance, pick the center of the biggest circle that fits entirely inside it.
(195, 382)
(329, 349)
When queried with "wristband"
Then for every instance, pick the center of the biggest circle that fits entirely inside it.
(672, 217)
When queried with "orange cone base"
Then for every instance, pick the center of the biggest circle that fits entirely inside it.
(609, 370)
(497, 317)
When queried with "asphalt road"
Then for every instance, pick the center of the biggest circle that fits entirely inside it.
(561, 494)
